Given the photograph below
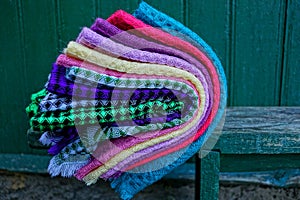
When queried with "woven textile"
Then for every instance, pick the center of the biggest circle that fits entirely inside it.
(86, 58)
(126, 21)
(225, 93)
(127, 102)
(55, 120)
(71, 158)
(98, 173)
(79, 51)
(121, 184)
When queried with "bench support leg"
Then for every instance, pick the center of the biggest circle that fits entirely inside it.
(207, 175)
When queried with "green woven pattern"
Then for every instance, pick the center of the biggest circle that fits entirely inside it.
(54, 120)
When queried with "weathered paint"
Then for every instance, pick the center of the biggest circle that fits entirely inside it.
(258, 162)
(105, 8)
(260, 130)
(290, 89)
(209, 176)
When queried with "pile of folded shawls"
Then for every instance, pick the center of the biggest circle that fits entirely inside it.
(131, 99)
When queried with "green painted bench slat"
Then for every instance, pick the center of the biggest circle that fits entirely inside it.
(24, 162)
(260, 130)
(254, 139)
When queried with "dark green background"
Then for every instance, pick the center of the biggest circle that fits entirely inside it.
(257, 41)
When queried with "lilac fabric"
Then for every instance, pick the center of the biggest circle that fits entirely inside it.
(91, 39)
(106, 29)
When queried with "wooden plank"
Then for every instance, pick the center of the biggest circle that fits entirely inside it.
(260, 130)
(105, 8)
(211, 21)
(24, 163)
(40, 50)
(41, 39)
(72, 16)
(278, 178)
(209, 175)
(257, 41)
(12, 78)
(240, 143)
(258, 162)
(200, 15)
(174, 9)
(25, 63)
(290, 94)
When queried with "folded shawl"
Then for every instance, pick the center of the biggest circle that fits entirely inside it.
(128, 183)
(68, 91)
(83, 53)
(108, 59)
(93, 40)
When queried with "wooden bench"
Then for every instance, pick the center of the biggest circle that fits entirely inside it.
(256, 145)
(254, 139)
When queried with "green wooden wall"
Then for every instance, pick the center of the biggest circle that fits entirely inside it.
(256, 40)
